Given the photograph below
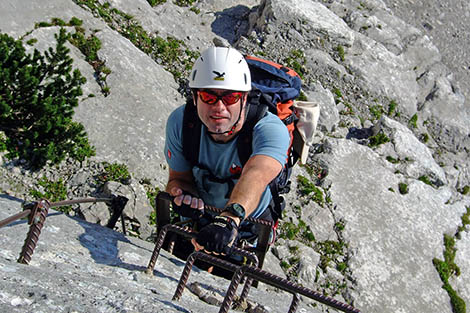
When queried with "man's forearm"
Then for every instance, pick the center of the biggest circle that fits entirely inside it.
(247, 192)
(258, 173)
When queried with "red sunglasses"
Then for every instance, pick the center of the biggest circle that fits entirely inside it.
(228, 98)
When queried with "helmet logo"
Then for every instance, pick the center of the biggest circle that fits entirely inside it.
(219, 76)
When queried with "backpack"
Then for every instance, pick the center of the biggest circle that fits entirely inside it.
(274, 89)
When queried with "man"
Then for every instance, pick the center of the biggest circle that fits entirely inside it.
(220, 82)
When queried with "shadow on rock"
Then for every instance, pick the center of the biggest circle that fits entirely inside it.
(103, 244)
(231, 23)
(11, 198)
(359, 133)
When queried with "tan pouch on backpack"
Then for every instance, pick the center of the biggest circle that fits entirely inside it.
(308, 114)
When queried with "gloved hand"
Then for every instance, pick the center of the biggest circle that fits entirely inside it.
(186, 210)
(219, 236)
(187, 205)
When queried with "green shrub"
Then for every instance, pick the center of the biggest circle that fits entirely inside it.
(42, 24)
(294, 249)
(152, 193)
(184, 3)
(329, 250)
(3, 146)
(307, 187)
(447, 268)
(392, 159)
(376, 111)
(115, 172)
(285, 265)
(195, 10)
(300, 232)
(458, 304)
(341, 53)
(302, 96)
(413, 121)
(338, 95)
(341, 267)
(155, 2)
(465, 190)
(89, 46)
(424, 137)
(170, 52)
(58, 22)
(53, 191)
(55, 21)
(403, 188)
(296, 61)
(308, 235)
(38, 95)
(74, 21)
(465, 222)
(288, 230)
(392, 108)
(378, 139)
(425, 179)
(339, 226)
(31, 41)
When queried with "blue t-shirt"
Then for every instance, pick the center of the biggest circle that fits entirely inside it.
(219, 161)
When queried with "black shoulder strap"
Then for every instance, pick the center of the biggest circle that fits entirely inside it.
(191, 133)
(245, 138)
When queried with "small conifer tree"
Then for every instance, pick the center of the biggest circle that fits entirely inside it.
(38, 94)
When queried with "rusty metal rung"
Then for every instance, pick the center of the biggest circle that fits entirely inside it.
(252, 273)
(37, 212)
(162, 202)
(188, 234)
(281, 283)
(15, 217)
(198, 255)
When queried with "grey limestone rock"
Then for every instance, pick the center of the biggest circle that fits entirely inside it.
(355, 57)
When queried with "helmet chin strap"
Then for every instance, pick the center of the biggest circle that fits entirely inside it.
(231, 130)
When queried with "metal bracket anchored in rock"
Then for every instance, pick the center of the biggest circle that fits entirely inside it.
(251, 272)
(281, 283)
(254, 273)
(37, 212)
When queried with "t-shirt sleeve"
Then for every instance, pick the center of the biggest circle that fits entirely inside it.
(271, 138)
(174, 142)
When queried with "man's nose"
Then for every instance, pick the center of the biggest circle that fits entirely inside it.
(219, 104)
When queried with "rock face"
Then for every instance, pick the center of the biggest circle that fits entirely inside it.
(78, 266)
(433, 19)
(387, 178)
(392, 237)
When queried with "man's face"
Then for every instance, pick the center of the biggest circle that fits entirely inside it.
(219, 109)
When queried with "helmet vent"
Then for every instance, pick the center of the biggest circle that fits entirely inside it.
(194, 74)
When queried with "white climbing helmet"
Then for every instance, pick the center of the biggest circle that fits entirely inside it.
(221, 68)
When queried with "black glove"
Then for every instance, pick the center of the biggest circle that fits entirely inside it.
(187, 211)
(219, 236)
